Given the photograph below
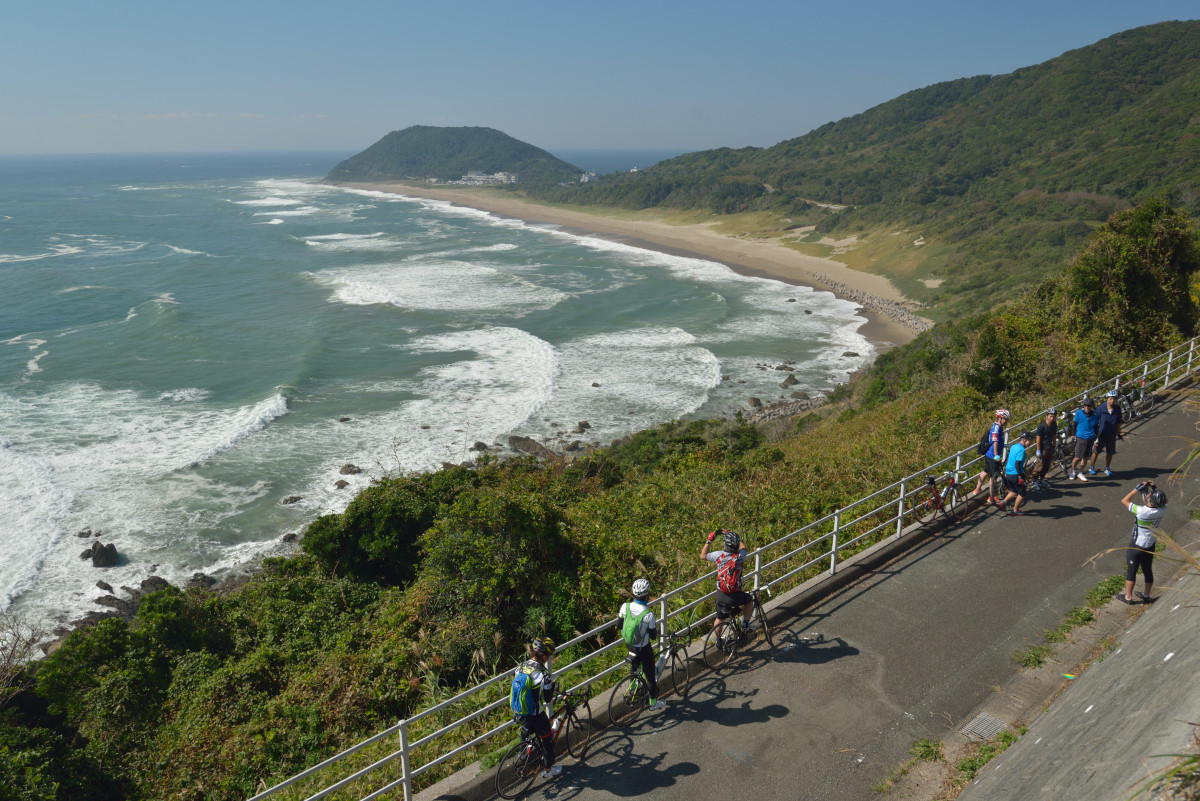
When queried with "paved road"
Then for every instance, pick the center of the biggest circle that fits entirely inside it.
(909, 651)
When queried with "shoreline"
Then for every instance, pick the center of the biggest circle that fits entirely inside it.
(889, 322)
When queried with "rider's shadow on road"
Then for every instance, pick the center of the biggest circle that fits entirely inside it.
(813, 649)
(615, 766)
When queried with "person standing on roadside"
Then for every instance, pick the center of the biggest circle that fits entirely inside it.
(1047, 444)
(1014, 474)
(991, 459)
(1108, 430)
(1085, 437)
(1142, 540)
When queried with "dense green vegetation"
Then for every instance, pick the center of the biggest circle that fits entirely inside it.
(427, 582)
(424, 151)
(1001, 175)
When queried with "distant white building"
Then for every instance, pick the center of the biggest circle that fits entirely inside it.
(587, 176)
(476, 178)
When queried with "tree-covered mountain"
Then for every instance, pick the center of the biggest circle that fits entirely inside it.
(993, 176)
(422, 151)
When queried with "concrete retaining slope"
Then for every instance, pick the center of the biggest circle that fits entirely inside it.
(1102, 738)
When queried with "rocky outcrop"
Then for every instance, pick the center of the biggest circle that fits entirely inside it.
(350, 470)
(899, 312)
(101, 555)
(531, 447)
(341, 483)
(289, 500)
(784, 409)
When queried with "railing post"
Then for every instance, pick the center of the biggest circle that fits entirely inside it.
(404, 760)
(757, 562)
(837, 526)
(1191, 351)
(662, 630)
(900, 515)
(1167, 377)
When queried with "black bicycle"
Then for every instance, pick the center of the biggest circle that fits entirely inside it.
(632, 693)
(720, 650)
(522, 763)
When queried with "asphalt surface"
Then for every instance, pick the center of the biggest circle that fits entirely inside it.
(909, 651)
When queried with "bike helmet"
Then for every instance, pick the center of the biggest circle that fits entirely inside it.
(732, 541)
(1028, 435)
(1052, 412)
(1156, 498)
(542, 645)
(1087, 401)
(1003, 413)
(1112, 393)
(641, 588)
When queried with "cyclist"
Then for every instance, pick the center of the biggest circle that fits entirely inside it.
(1085, 435)
(1047, 443)
(730, 595)
(640, 630)
(532, 686)
(991, 459)
(1142, 541)
(1014, 474)
(1109, 423)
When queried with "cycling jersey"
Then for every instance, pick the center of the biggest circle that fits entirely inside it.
(1108, 421)
(996, 449)
(1145, 529)
(1085, 424)
(1015, 466)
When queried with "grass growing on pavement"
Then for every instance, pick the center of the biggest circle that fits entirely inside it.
(1036, 655)
(969, 766)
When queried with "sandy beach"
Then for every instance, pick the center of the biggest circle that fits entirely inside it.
(890, 322)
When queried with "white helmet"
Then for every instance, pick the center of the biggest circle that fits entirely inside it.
(1003, 413)
(641, 588)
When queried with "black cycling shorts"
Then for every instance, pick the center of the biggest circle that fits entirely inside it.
(728, 605)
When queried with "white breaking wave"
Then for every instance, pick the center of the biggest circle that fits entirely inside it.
(438, 285)
(269, 201)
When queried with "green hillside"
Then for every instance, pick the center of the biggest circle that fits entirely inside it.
(996, 176)
(447, 154)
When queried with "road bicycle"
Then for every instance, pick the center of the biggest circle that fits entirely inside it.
(720, 650)
(523, 762)
(951, 500)
(1134, 399)
(632, 693)
(1064, 452)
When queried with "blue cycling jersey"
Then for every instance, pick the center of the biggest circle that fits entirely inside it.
(1085, 424)
(1015, 466)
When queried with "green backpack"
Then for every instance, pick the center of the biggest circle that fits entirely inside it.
(630, 628)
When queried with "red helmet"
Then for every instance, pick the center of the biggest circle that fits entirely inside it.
(1003, 413)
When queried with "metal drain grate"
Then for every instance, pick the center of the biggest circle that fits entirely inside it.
(984, 727)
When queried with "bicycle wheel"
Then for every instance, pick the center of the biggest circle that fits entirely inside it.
(627, 700)
(718, 653)
(680, 675)
(1147, 401)
(763, 626)
(518, 769)
(960, 507)
(926, 507)
(1126, 407)
(581, 728)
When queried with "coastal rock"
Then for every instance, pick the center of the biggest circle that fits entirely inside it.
(849, 353)
(291, 499)
(83, 535)
(201, 580)
(594, 384)
(104, 585)
(790, 381)
(574, 446)
(343, 419)
(755, 403)
(479, 446)
(291, 536)
(808, 311)
(352, 470)
(341, 483)
(153, 584)
(530, 446)
(791, 300)
(103, 555)
(581, 426)
(799, 395)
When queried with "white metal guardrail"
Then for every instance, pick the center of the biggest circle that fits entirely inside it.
(882, 511)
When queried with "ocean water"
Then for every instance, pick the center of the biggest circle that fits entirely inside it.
(180, 336)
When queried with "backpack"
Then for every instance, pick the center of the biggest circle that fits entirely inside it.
(522, 699)
(985, 442)
(632, 624)
(729, 574)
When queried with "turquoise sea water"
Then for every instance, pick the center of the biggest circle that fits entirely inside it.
(179, 336)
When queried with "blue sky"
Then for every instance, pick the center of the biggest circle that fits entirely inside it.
(126, 76)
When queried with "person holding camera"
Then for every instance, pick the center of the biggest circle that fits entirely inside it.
(1140, 553)
(730, 595)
